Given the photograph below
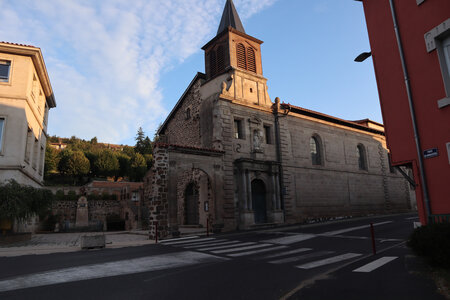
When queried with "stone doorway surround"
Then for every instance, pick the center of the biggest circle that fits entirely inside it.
(247, 171)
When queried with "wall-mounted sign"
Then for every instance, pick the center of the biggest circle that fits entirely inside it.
(430, 153)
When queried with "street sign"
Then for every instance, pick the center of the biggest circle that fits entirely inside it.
(430, 153)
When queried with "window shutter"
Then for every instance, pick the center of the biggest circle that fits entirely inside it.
(240, 54)
(251, 60)
(220, 59)
(212, 63)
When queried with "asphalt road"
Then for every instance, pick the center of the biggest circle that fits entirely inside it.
(299, 262)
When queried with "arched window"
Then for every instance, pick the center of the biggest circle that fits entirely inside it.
(361, 154)
(220, 59)
(212, 63)
(241, 57)
(188, 113)
(251, 61)
(316, 150)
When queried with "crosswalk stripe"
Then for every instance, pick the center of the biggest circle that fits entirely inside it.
(225, 246)
(336, 232)
(291, 239)
(109, 269)
(180, 239)
(285, 253)
(199, 240)
(375, 264)
(241, 248)
(326, 261)
(257, 251)
(210, 244)
(300, 257)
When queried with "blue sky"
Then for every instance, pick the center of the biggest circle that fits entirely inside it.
(116, 65)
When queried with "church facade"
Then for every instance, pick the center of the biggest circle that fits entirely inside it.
(230, 156)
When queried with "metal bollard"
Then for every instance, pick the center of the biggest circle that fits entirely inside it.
(156, 233)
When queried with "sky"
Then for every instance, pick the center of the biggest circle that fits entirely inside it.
(118, 65)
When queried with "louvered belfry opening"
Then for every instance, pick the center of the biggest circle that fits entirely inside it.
(241, 57)
(220, 59)
(251, 60)
(212, 63)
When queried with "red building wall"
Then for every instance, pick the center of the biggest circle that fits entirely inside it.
(427, 87)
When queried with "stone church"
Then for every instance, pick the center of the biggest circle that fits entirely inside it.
(230, 156)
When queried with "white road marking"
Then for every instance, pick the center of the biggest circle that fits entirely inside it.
(411, 218)
(210, 244)
(295, 251)
(225, 246)
(336, 232)
(390, 240)
(375, 264)
(257, 251)
(199, 240)
(300, 257)
(123, 267)
(291, 239)
(326, 261)
(241, 248)
(180, 239)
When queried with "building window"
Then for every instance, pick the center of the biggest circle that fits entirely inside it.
(41, 160)
(438, 39)
(238, 133)
(28, 142)
(361, 155)
(188, 113)
(241, 57)
(251, 60)
(2, 125)
(316, 150)
(5, 67)
(35, 154)
(267, 134)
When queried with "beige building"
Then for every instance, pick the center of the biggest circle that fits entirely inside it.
(232, 158)
(26, 96)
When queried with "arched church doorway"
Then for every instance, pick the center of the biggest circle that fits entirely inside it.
(191, 205)
(259, 201)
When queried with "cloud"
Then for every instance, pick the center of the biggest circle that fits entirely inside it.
(105, 58)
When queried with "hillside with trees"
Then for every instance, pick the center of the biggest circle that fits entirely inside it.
(74, 161)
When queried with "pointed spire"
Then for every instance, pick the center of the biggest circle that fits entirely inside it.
(231, 18)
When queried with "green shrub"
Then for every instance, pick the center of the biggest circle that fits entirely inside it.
(433, 242)
(72, 196)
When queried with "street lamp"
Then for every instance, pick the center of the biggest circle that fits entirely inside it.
(363, 56)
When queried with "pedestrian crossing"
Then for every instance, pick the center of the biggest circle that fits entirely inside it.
(278, 251)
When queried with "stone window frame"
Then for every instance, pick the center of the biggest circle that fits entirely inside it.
(361, 154)
(240, 133)
(317, 158)
(433, 41)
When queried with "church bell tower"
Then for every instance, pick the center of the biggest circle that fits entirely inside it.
(238, 55)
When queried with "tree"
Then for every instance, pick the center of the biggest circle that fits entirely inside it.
(148, 160)
(124, 165)
(107, 163)
(73, 163)
(51, 160)
(138, 167)
(143, 143)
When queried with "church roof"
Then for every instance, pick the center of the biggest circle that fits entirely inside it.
(230, 18)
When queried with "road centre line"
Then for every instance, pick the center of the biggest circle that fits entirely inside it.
(285, 253)
(241, 248)
(300, 257)
(210, 244)
(336, 232)
(225, 247)
(256, 251)
(375, 264)
(116, 268)
(330, 260)
(199, 240)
